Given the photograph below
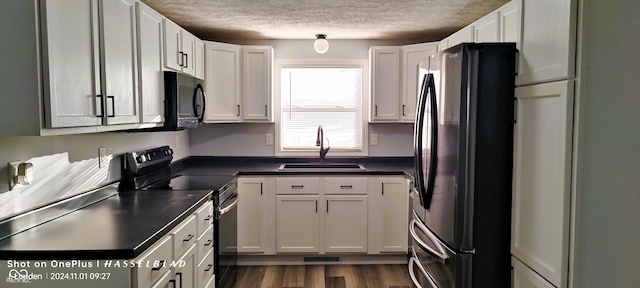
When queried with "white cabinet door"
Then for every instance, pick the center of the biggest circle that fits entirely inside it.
(487, 28)
(464, 35)
(198, 59)
(548, 41)
(385, 83)
(390, 215)
(298, 223)
(345, 223)
(119, 62)
(150, 55)
(252, 205)
(222, 82)
(510, 22)
(185, 275)
(542, 174)
(172, 41)
(71, 56)
(257, 83)
(188, 48)
(411, 56)
(524, 277)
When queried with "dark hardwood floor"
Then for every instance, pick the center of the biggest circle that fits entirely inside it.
(319, 276)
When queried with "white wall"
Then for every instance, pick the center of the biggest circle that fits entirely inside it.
(607, 235)
(85, 146)
(249, 139)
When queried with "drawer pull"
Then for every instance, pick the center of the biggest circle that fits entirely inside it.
(208, 242)
(346, 186)
(208, 268)
(208, 218)
(297, 186)
(159, 266)
(189, 237)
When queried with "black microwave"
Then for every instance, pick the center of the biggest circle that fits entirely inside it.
(184, 101)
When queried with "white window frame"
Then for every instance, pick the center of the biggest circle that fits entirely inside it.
(320, 63)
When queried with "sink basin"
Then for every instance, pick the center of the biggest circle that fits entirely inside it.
(320, 166)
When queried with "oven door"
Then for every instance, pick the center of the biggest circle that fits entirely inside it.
(226, 252)
(433, 264)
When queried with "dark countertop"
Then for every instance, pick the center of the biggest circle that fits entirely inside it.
(119, 227)
(124, 225)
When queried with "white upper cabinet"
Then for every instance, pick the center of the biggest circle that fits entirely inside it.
(71, 56)
(511, 22)
(410, 84)
(385, 83)
(151, 77)
(223, 82)
(181, 50)
(257, 84)
(548, 41)
(119, 67)
(487, 28)
(199, 59)
(464, 35)
(542, 179)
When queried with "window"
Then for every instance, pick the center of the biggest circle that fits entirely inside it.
(330, 93)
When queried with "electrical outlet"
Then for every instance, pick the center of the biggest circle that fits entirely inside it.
(102, 157)
(269, 140)
(374, 139)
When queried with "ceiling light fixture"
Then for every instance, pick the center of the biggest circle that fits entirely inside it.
(321, 45)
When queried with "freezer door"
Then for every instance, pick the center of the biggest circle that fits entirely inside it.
(434, 265)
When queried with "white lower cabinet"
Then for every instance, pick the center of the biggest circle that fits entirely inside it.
(345, 223)
(524, 277)
(542, 173)
(184, 275)
(389, 214)
(298, 223)
(256, 215)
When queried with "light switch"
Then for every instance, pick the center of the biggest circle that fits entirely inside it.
(269, 140)
(374, 139)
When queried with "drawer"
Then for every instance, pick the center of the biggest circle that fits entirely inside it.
(205, 270)
(159, 252)
(162, 282)
(345, 185)
(297, 185)
(211, 283)
(205, 243)
(204, 217)
(184, 235)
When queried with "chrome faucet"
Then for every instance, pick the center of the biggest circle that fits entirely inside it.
(320, 142)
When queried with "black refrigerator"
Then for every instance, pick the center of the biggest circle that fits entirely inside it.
(463, 141)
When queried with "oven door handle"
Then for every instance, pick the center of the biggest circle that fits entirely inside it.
(441, 255)
(230, 206)
(413, 262)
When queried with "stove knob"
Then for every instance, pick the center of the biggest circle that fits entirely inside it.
(170, 151)
(149, 157)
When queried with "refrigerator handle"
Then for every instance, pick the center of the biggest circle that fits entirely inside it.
(412, 263)
(417, 140)
(440, 255)
(433, 158)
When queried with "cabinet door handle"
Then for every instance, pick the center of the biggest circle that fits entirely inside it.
(181, 59)
(403, 110)
(316, 206)
(375, 110)
(160, 265)
(261, 188)
(346, 186)
(113, 106)
(208, 268)
(189, 237)
(208, 242)
(266, 108)
(382, 188)
(101, 106)
(208, 217)
(186, 61)
(238, 113)
(173, 283)
(327, 206)
(297, 186)
(179, 274)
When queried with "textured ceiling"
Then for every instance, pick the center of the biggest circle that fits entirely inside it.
(339, 19)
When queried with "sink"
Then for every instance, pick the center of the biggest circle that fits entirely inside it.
(321, 165)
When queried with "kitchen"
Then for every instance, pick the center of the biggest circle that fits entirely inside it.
(599, 125)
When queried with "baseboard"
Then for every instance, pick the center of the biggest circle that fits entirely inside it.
(348, 259)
